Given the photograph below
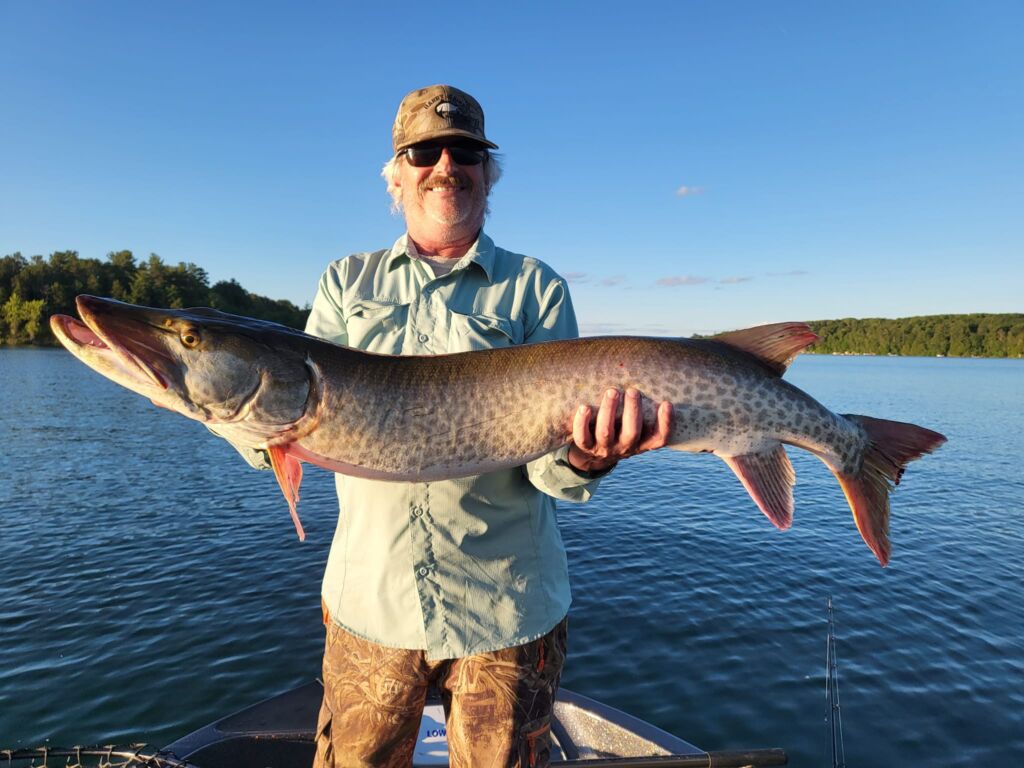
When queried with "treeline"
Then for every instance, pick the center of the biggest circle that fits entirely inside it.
(33, 289)
(979, 335)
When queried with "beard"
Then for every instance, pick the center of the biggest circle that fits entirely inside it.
(469, 203)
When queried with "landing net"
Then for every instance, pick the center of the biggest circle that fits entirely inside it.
(125, 756)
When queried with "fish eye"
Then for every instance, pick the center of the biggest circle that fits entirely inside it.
(190, 338)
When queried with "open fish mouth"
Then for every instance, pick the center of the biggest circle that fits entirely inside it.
(127, 346)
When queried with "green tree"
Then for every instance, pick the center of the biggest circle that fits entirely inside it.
(23, 319)
(10, 266)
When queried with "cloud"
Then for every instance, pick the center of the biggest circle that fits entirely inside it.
(581, 278)
(685, 191)
(675, 280)
(734, 280)
(625, 329)
(793, 273)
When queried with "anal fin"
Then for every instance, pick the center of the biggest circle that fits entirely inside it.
(769, 479)
(288, 471)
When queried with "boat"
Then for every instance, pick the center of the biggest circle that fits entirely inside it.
(278, 733)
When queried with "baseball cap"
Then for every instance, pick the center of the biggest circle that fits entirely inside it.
(435, 112)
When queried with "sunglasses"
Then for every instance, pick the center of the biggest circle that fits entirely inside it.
(427, 155)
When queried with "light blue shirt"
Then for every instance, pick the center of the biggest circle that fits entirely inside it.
(464, 566)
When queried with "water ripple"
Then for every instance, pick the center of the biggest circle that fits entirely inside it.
(150, 582)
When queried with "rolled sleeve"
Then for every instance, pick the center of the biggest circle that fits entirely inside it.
(554, 475)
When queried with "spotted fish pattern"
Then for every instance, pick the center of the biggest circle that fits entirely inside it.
(303, 399)
(456, 415)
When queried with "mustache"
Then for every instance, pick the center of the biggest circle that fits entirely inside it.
(446, 180)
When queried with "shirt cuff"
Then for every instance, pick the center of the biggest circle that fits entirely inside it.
(555, 476)
(562, 460)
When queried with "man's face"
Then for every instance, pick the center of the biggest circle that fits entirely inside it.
(444, 202)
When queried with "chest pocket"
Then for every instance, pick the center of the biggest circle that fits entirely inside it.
(470, 332)
(377, 326)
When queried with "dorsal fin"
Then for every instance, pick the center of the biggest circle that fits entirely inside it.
(774, 345)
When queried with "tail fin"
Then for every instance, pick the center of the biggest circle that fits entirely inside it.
(891, 445)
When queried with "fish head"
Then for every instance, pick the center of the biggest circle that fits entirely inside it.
(247, 379)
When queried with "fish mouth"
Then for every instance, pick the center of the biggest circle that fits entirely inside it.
(107, 331)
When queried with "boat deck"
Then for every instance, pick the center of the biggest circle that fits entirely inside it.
(279, 732)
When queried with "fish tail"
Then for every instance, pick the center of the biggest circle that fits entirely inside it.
(891, 445)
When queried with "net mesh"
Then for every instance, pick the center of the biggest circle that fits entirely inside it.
(126, 756)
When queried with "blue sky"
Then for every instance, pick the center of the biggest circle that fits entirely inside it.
(690, 166)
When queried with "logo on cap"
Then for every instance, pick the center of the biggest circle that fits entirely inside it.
(446, 109)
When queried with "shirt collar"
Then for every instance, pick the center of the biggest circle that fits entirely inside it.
(481, 253)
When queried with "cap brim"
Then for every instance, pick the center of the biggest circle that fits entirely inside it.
(447, 133)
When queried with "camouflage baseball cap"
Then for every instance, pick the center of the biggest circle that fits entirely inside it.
(435, 112)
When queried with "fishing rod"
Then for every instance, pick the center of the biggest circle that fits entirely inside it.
(835, 714)
(753, 758)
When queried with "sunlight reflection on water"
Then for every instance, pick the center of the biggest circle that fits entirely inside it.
(150, 582)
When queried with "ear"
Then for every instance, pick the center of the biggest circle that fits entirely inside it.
(394, 177)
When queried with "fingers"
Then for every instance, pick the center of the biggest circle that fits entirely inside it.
(604, 429)
(632, 423)
(662, 429)
(609, 437)
(581, 432)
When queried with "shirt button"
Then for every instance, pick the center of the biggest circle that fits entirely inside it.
(423, 338)
(417, 511)
(424, 571)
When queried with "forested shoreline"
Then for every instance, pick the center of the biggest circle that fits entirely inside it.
(32, 289)
(973, 335)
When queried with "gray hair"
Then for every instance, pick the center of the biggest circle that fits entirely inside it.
(492, 172)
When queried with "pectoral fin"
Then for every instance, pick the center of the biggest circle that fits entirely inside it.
(288, 471)
(769, 478)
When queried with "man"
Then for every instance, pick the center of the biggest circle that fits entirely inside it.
(461, 583)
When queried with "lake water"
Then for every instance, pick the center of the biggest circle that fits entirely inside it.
(151, 582)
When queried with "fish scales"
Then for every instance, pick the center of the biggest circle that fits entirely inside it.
(462, 414)
(303, 399)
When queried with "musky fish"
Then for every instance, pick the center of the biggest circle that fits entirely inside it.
(303, 399)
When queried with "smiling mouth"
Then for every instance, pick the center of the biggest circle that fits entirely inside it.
(449, 184)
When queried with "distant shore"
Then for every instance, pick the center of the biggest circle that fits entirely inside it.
(33, 289)
(972, 335)
(812, 351)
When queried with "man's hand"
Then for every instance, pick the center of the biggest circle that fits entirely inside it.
(599, 444)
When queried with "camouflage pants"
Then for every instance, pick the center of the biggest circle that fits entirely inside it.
(498, 705)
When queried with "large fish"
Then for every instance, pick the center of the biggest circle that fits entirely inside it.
(303, 399)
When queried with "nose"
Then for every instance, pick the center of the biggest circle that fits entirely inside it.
(445, 161)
